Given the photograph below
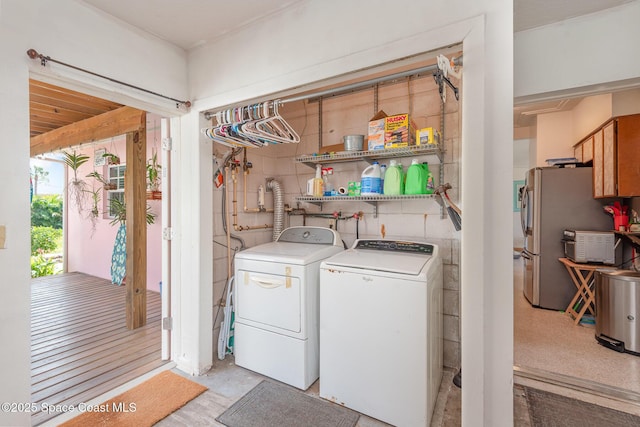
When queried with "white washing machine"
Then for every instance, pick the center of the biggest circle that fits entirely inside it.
(381, 330)
(276, 304)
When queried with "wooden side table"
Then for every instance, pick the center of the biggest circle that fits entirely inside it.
(582, 276)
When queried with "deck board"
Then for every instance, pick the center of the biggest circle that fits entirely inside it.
(80, 345)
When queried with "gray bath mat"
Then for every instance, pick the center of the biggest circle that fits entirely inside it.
(550, 410)
(270, 404)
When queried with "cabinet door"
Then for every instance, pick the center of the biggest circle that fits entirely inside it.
(608, 161)
(628, 155)
(577, 153)
(597, 165)
(587, 150)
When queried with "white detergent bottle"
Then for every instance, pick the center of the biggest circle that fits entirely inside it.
(370, 182)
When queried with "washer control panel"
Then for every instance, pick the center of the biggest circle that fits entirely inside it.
(395, 246)
(315, 235)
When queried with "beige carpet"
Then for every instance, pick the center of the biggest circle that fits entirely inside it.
(143, 405)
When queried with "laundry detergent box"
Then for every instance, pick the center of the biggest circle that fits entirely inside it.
(376, 131)
(353, 188)
(427, 137)
(399, 131)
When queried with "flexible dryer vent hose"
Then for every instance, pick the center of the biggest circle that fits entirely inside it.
(278, 208)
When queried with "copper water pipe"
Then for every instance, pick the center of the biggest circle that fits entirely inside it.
(237, 227)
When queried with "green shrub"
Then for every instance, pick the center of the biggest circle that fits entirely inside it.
(41, 266)
(44, 239)
(46, 211)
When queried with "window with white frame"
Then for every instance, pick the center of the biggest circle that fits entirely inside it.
(116, 179)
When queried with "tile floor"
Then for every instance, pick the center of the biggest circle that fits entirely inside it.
(228, 383)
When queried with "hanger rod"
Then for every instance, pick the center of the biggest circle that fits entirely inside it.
(33, 54)
(357, 86)
(367, 83)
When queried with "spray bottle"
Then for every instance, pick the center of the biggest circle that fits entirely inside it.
(327, 186)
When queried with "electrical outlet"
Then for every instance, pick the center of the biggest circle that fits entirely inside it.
(3, 236)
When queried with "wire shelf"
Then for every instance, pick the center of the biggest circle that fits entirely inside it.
(377, 198)
(370, 155)
(372, 200)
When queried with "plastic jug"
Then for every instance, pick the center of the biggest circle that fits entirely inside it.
(383, 172)
(370, 180)
(393, 179)
(416, 179)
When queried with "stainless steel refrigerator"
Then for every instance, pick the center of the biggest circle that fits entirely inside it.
(555, 199)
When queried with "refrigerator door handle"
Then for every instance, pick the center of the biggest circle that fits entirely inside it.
(523, 208)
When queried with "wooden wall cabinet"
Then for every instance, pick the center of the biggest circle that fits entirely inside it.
(616, 157)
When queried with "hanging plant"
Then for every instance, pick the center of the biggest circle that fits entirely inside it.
(94, 212)
(111, 158)
(154, 170)
(106, 185)
(76, 186)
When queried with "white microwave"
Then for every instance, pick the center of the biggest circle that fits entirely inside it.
(589, 246)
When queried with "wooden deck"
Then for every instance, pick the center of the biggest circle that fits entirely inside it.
(80, 345)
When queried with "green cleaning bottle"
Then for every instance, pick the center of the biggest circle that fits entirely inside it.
(430, 185)
(416, 179)
(393, 179)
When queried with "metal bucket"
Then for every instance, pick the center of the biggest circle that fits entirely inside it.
(353, 142)
(618, 310)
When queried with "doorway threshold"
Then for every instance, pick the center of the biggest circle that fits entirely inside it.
(582, 389)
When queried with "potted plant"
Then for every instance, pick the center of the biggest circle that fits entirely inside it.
(154, 170)
(111, 158)
(106, 185)
(76, 186)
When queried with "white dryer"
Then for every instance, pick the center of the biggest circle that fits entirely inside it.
(381, 330)
(276, 301)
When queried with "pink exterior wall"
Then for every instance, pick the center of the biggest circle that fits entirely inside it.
(89, 251)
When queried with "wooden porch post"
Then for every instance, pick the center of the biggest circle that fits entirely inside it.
(136, 203)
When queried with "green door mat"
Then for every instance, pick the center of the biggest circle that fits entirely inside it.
(271, 404)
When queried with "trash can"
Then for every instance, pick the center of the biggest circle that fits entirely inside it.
(617, 310)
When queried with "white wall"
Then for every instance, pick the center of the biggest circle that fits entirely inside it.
(590, 113)
(583, 55)
(318, 40)
(64, 30)
(14, 212)
(555, 136)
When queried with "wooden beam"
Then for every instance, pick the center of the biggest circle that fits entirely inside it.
(107, 125)
(135, 193)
